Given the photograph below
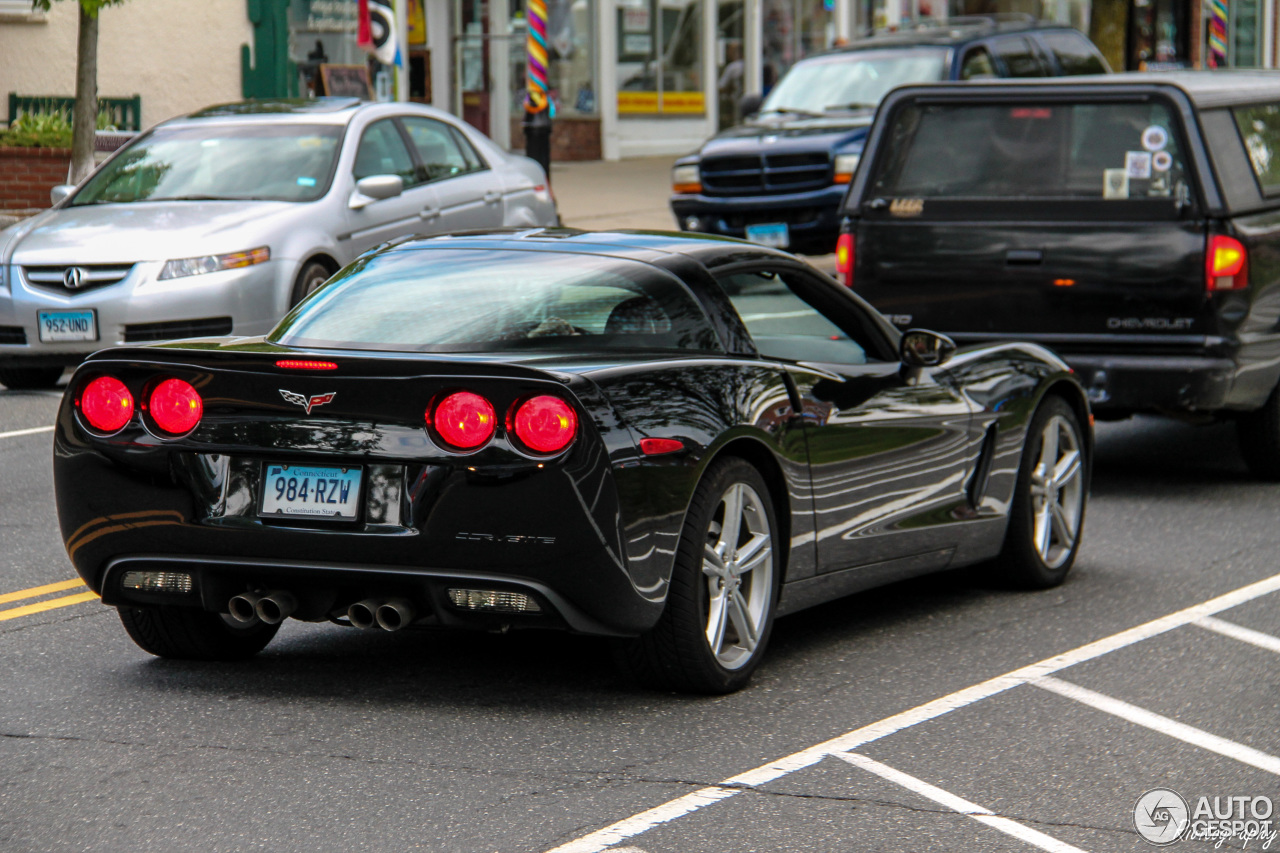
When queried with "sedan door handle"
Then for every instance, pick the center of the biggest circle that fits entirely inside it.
(491, 196)
(428, 214)
(1026, 257)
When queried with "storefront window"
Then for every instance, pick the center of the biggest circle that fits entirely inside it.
(660, 58)
(570, 54)
(730, 61)
(794, 29)
(322, 32)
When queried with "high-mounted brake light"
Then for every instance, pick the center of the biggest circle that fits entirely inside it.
(464, 420)
(1226, 264)
(545, 424)
(106, 404)
(175, 406)
(845, 258)
(305, 364)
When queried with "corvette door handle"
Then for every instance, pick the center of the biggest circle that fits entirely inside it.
(492, 196)
(1023, 256)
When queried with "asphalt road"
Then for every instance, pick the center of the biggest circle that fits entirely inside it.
(339, 740)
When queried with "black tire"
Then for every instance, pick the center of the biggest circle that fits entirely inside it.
(189, 633)
(29, 378)
(676, 654)
(1259, 434)
(1029, 560)
(313, 274)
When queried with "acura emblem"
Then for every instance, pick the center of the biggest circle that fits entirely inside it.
(73, 278)
(308, 403)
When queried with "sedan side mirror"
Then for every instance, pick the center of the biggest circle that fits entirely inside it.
(375, 188)
(922, 348)
(60, 192)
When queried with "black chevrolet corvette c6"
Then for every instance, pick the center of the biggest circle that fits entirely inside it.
(666, 439)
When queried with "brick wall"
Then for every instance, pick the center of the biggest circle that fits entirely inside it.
(571, 138)
(27, 175)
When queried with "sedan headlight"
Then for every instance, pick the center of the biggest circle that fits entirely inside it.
(846, 165)
(686, 179)
(214, 263)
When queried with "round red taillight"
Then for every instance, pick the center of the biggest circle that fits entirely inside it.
(545, 424)
(175, 406)
(106, 404)
(464, 420)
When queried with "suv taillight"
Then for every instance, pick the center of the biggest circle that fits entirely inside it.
(1226, 264)
(845, 258)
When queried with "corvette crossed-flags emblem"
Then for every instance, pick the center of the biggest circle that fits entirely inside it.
(308, 403)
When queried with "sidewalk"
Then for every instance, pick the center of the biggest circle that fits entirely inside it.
(600, 194)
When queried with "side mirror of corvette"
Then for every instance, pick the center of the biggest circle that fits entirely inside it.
(923, 348)
(374, 188)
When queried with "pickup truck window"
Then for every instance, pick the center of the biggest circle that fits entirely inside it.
(1260, 129)
(1109, 151)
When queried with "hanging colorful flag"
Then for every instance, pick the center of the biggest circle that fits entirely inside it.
(364, 27)
(1217, 33)
(376, 32)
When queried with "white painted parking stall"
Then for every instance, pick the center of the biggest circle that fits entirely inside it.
(1202, 617)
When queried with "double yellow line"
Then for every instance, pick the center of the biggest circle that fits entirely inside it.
(47, 604)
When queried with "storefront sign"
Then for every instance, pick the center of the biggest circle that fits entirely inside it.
(332, 16)
(651, 103)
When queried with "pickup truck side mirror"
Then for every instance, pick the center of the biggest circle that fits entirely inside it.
(922, 348)
(749, 105)
(374, 188)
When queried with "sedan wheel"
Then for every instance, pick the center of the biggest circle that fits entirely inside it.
(720, 603)
(312, 276)
(1046, 518)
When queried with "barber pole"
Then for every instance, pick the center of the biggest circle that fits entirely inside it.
(538, 106)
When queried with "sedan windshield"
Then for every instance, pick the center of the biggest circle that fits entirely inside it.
(852, 81)
(467, 300)
(219, 162)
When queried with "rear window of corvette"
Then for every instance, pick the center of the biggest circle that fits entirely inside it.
(467, 300)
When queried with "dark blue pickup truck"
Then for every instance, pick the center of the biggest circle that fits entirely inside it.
(779, 179)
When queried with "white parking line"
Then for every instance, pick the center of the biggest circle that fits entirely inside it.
(1163, 725)
(17, 432)
(629, 827)
(960, 805)
(1239, 632)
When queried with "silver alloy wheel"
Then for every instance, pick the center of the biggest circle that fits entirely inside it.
(1057, 492)
(738, 565)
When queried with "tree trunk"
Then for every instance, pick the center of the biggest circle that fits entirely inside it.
(84, 118)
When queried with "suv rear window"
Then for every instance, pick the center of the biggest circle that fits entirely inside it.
(1109, 151)
(1260, 129)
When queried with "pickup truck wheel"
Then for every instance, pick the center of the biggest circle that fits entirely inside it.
(1046, 515)
(723, 590)
(1259, 434)
(29, 378)
(189, 633)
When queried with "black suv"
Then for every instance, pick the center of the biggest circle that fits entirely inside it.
(1132, 223)
(779, 179)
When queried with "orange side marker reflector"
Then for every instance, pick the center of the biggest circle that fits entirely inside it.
(1064, 282)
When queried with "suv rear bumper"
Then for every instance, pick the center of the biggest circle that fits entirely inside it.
(812, 218)
(1132, 383)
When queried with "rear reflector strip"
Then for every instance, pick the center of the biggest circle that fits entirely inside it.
(658, 446)
(172, 582)
(493, 601)
(303, 364)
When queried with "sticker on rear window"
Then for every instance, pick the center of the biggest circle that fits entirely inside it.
(1137, 165)
(1155, 138)
(1162, 161)
(1115, 183)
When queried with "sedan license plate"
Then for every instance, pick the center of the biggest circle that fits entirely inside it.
(68, 326)
(773, 234)
(310, 491)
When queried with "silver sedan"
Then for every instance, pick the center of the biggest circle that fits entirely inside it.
(217, 222)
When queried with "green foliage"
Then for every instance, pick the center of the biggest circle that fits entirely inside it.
(49, 128)
(90, 6)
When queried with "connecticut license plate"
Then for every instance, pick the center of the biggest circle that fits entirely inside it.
(68, 325)
(310, 491)
(773, 234)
